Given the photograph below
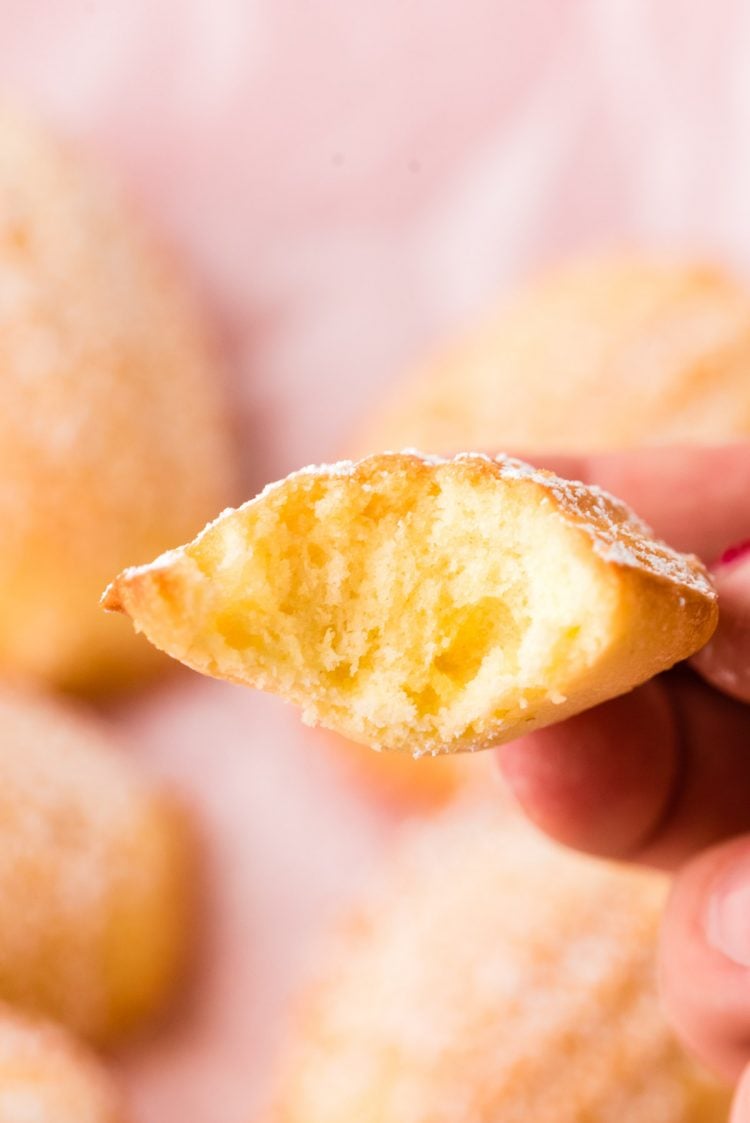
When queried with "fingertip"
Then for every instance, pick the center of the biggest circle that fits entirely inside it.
(601, 781)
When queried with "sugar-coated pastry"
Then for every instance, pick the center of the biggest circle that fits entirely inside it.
(47, 1077)
(94, 875)
(600, 354)
(490, 977)
(426, 605)
(112, 439)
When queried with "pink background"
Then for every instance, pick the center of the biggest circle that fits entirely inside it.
(348, 183)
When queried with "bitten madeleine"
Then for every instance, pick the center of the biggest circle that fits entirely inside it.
(112, 438)
(94, 869)
(426, 605)
(599, 354)
(490, 977)
(47, 1077)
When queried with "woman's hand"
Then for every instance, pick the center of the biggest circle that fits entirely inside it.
(662, 775)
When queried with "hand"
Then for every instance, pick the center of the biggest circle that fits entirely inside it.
(662, 775)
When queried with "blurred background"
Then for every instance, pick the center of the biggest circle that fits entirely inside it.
(349, 186)
(346, 187)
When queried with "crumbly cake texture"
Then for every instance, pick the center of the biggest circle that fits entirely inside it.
(599, 354)
(94, 876)
(488, 975)
(112, 438)
(47, 1077)
(426, 605)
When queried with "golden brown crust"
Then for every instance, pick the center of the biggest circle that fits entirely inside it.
(664, 603)
(112, 438)
(94, 876)
(488, 975)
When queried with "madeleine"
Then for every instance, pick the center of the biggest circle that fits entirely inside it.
(489, 975)
(426, 605)
(599, 354)
(95, 872)
(112, 436)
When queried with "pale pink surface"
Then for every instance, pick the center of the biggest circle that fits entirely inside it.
(348, 183)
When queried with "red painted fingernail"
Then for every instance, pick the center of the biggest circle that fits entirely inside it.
(734, 553)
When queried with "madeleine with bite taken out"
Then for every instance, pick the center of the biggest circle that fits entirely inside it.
(425, 605)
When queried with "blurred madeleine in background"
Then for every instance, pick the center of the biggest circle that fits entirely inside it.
(113, 434)
(489, 975)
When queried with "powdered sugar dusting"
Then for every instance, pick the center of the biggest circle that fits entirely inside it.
(619, 536)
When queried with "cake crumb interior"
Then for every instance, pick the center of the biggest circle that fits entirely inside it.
(397, 607)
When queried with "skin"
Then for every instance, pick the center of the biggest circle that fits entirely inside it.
(661, 776)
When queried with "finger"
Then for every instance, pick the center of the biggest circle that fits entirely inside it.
(602, 780)
(698, 499)
(654, 775)
(725, 661)
(705, 959)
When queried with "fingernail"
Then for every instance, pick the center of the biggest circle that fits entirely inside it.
(728, 913)
(733, 554)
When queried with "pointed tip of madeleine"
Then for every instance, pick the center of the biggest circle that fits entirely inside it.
(110, 599)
